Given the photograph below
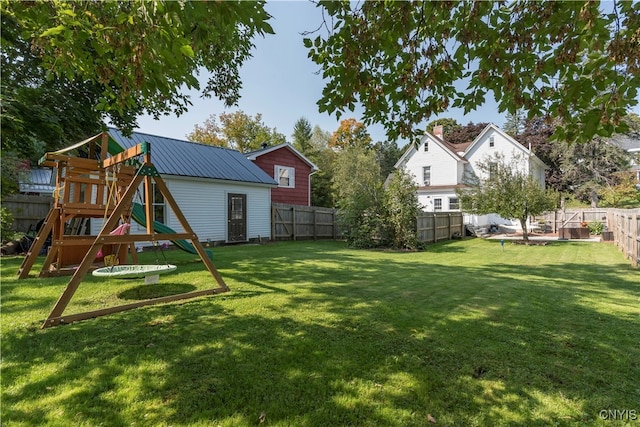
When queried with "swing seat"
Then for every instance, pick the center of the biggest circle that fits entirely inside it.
(133, 271)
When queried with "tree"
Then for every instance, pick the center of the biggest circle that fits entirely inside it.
(209, 133)
(402, 208)
(537, 134)
(624, 193)
(404, 61)
(578, 169)
(506, 188)
(591, 167)
(236, 130)
(302, 133)
(515, 123)
(39, 113)
(141, 54)
(464, 134)
(350, 133)
(322, 191)
(360, 196)
(447, 125)
(388, 153)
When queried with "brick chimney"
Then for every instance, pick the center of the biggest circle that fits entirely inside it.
(438, 131)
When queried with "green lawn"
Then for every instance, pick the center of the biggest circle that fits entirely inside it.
(316, 334)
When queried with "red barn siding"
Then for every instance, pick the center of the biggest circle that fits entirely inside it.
(285, 157)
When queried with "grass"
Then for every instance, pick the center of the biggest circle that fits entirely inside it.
(316, 334)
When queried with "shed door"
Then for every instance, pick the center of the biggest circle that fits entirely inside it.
(237, 218)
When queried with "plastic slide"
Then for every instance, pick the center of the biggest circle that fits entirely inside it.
(138, 215)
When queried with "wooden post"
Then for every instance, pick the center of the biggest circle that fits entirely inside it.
(633, 237)
(37, 245)
(315, 224)
(293, 221)
(273, 222)
(84, 266)
(187, 228)
(334, 225)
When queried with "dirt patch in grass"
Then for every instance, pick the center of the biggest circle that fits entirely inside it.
(530, 242)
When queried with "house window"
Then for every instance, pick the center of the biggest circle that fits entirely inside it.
(437, 205)
(491, 142)
(285, 176)
(426, 146)
(157, 201)
(493, 170)
(426, 175)
(454, 204)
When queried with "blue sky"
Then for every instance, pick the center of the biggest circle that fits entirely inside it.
(281, 83)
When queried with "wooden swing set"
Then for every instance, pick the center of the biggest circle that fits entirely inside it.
(102, 184)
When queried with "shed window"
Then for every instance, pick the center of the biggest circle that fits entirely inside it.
(285, 176)
(157, 200)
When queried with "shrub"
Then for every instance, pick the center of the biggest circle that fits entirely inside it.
(6, 225)
(596, 227)
(402, 208)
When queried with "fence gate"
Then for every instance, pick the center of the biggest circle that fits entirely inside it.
(292, 222)
(436, 226)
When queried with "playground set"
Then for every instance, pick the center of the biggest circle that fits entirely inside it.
(100, 181)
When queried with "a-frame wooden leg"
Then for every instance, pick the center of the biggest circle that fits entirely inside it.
(55, 317)
(187, 228)
(38, 243)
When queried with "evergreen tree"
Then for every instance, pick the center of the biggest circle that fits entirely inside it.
(302, 133)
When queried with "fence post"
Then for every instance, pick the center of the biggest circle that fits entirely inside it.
(273, 222)
(293, 222)
(633, 237)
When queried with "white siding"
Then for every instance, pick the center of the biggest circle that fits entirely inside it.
(203, 202)
(427, 199)
(444, 167)
(447, 170)
(482, 151)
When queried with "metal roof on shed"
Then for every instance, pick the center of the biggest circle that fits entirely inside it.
(38, 180)
(183, 158)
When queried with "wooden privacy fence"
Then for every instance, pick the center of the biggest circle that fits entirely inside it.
(291, 222)
(436, 226)
(572, 218)
(27, 210)
(624, 223)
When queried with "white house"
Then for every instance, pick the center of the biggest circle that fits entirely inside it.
(439, 168)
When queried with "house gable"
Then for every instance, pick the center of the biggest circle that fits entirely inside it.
(444, 165)
(494, 140)
(290, 169)
(432, 162)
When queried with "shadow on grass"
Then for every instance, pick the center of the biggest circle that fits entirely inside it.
(156, 290)
(371, 344)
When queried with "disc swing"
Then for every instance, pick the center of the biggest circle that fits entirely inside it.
(133, 271)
